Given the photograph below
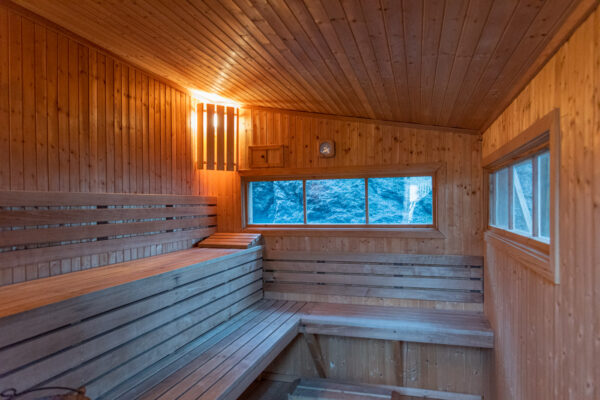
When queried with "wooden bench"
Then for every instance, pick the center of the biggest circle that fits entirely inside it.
(230, 357)
(49, 233)
(190, 322)
(104, 328)
(161, 326)
(321, 276)
(227, 359)
(469, 329)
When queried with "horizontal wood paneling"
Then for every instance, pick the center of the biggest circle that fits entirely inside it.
(547, 335)
(105, 337)
(437, 62)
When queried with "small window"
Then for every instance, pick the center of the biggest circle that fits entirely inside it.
(275, 202)
(406, 200)
(520, 197)
(335, 201)
(524, 184)
(381, 201)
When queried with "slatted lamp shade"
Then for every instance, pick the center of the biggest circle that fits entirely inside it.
(217, 137)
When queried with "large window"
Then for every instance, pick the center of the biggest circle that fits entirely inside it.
(520, 197)
(380, 201)
(523, 213)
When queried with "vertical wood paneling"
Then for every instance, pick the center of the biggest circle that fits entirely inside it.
(547, 335)
(74, 118)
(220, 137)
(231, 138)
(359, 143)
(4, 101)
(210, 137)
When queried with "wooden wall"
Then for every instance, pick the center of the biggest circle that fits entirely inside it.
(547, 337)
(75, 118)
(362, 142)
(420, 365)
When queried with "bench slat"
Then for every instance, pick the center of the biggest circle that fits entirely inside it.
(210, 372)
(163, 375)
(375, 269)
(233, 384)
(16, 198)
(393, 323)
(63, 234)
(72, 216)
(368, 291)
(386, 258)
(373, 280)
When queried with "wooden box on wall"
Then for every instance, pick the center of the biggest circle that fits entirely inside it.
(270, 156)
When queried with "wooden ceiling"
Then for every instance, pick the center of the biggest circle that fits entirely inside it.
(436, 62)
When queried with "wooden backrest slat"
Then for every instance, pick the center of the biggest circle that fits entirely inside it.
(56, 199)
(55, 235)
(72, 216)
(47, 254)
(301, 275)
(56, 227)
(388, 258)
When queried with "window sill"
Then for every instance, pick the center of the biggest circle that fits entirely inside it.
(532, 254)
(407, 233)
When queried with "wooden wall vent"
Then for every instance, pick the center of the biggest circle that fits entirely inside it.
(217, 137)
(270, 156)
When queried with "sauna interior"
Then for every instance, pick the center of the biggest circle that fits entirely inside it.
(300, 199)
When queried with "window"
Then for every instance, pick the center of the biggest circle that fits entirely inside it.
(520, 197)
(380, 201)
(523, 179)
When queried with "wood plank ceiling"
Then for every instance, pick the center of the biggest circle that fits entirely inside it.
(436, 62)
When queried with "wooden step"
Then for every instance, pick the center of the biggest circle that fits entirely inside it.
(221, 240)
(330, 389)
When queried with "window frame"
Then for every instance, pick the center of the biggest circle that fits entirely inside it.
(535, 193)
(396, 230)
(540, 256)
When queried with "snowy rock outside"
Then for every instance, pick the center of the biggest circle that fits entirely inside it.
(398, 200)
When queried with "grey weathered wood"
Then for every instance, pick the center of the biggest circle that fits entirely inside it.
(332, 389)
(121, 320)
(403, 324)
(317, 355)
(451, 278)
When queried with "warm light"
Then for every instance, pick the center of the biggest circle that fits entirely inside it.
(215, 120)
(213, 98)
(194, 119)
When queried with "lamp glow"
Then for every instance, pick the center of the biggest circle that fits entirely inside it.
(213, 98)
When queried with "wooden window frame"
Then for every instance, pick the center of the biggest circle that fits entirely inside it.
(541, 257)
(377, 230)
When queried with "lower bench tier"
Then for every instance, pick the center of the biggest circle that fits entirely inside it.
(125, 326)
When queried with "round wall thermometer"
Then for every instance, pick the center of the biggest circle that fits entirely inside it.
(327, 148)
